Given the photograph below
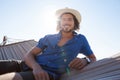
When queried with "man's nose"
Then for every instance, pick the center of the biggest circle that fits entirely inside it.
(66, 21)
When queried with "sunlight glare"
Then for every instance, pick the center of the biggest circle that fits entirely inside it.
(49, 19)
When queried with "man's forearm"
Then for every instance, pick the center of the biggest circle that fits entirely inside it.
(30, 61)
(92, 58)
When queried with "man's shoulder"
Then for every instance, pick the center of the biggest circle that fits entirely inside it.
(80, 36)
(51, 35)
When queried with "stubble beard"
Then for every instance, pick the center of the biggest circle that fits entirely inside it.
(66, 29)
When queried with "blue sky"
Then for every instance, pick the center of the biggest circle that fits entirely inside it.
(32, 19)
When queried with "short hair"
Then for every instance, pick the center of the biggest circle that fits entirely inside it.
(76, 23)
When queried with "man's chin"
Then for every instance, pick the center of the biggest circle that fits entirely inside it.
(67, 31)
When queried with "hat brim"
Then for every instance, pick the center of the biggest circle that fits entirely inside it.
(73, 11)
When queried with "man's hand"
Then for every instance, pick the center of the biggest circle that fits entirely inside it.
(78, 63)
(40, 74)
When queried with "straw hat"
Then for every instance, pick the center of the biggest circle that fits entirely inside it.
(73, 11)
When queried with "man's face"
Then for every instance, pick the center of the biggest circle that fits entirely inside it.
(67, 23)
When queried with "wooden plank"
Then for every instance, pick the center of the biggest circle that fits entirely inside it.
(100, 69)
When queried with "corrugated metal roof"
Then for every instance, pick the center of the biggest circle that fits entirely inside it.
(16, 50)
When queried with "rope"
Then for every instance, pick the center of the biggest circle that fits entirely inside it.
(7, 40)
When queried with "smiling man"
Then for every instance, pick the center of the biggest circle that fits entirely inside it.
(57, 53)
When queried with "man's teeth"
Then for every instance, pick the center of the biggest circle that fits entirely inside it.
(66, 26)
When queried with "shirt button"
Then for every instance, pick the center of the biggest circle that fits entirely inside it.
(63, 54)
(65, 60)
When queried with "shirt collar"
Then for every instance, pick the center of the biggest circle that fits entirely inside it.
(59, 34)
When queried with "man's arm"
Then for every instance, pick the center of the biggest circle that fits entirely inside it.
(30, 57)
(79, 63)
(92, 58)
(38, 72)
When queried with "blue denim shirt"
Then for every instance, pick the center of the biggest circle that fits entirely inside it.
(55, 58)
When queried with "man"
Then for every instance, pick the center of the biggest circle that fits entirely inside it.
(56, 54)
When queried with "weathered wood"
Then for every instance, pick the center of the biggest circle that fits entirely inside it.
(16, 50)
(105, 69)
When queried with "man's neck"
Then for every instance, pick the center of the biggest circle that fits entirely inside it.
(67, 34)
